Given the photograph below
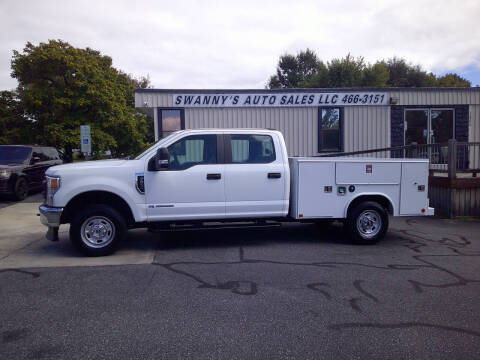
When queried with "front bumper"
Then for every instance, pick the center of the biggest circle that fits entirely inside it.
(50, 216)
(5, 187)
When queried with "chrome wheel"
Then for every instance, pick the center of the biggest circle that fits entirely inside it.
(97, 231)
(369, 223)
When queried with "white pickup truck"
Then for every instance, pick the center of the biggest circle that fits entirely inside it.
(228, 175)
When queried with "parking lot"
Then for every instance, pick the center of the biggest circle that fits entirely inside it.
(295, 291)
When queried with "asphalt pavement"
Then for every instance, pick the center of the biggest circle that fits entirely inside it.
(298, 291)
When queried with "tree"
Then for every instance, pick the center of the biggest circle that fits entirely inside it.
(296, 70)
(403, 74)
(376, 75)
(346, 72)
(306, 70)
(452, 80)
(62, 87)
(14, 127)
(318, 79)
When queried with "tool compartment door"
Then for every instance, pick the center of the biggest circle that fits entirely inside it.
(313, 201)
(413, 199)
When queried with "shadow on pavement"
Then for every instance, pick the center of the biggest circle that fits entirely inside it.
(33, 197)
(224, 238)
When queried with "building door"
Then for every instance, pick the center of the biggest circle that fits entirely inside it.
(441, 125)
(416, 126)
(429, 126)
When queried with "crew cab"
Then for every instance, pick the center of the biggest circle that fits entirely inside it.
(228, 175)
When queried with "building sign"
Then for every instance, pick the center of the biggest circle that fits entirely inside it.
(280, 99)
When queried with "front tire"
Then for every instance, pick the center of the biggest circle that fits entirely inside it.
(20, 189)
(97, 230)
(367, 223)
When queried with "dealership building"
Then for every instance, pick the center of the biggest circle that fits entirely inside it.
(315, 121)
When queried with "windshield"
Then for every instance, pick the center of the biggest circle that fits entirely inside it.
(10, 155)
(157, 143)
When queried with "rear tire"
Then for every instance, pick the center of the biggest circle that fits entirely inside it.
(20, 189)
(367, 223)
(97, 230)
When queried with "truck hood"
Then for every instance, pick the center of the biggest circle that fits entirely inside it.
(12, 167)
(103, 164)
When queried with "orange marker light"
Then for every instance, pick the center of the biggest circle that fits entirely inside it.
(300, 215)
(54, 183)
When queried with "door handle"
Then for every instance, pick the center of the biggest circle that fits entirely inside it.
(274, 175)
(214, 176)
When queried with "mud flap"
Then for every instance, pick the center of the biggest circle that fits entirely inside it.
(52, 233)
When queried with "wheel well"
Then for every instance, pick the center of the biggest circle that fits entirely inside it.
(380, 199)
(13, 180)
(97, 197)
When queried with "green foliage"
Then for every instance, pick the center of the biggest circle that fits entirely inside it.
(297, 71)
(305, 70)
(452, 80)
(347, 72)
(403, 74)
(14, 127)
(376, 75)
(62, 87)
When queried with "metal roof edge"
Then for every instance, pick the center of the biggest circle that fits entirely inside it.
(311, 90)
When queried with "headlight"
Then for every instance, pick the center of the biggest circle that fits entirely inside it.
(4, 174)
(53, 184)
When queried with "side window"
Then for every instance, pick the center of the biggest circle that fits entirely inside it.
(252, 149)
(52, 153)
(193, 150)
(47, 154)
(44, 154)
(37, 153)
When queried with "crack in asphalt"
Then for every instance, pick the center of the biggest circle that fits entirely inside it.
(413, 240)
(356, 285)
(32, 273)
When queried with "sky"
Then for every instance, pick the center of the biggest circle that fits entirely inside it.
(237, 44)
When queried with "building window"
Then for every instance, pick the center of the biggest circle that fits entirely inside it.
(169, 121)
(330, 129)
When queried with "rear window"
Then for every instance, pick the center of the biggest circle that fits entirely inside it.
(252, 149)
(10, 155)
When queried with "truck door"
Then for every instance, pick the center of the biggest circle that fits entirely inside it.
(414, 186)
(194, 185)
(37, 168)
(254, 176)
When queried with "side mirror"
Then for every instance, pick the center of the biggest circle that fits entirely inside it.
(162, 159)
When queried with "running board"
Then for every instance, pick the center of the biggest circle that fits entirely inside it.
(210, 226)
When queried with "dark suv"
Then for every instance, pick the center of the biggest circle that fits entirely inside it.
(22, 168)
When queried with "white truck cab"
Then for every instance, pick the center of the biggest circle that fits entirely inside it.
(228, 175)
